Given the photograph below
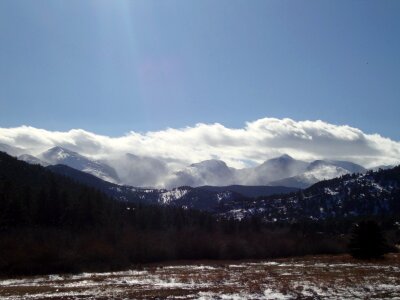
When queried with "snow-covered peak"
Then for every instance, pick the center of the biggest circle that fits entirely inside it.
(346, 165)
(60, 155)
(275, 169)
(283, 171)
(214, 172)
(284, 161)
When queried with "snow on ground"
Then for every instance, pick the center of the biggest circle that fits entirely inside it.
(318, 277)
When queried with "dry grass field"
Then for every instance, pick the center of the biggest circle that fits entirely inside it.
(312, 277)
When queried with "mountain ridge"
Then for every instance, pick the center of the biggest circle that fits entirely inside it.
(149, 172)
(351, 195)
(206, 197)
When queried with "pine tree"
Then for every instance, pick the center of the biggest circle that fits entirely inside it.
(367, 240)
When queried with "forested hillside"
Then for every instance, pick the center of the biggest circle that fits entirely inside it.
(49, 223)
(374, 194)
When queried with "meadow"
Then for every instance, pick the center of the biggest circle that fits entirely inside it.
(309, 277)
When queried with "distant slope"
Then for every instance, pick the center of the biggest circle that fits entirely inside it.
(319, 170)
(30, 159)
(299, 181)
(122, 193)
(250, 191)
(273, 169)
(10, 150)
(187, 197)
(351, 195)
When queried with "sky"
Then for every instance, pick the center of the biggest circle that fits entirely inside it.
(112, 67)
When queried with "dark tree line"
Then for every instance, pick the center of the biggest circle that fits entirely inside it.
(367, 240)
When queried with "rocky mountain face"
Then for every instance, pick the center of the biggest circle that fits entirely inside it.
(59, 155)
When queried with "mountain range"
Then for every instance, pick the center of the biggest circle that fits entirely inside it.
(202, 198)
(350, 195)
(142, 171)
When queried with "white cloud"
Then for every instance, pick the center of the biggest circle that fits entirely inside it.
(256, 142)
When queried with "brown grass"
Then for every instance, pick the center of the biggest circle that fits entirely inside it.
(307, 277)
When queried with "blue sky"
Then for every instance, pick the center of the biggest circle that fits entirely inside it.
(115, 66)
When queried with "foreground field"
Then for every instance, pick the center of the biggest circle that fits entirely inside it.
(325, 277)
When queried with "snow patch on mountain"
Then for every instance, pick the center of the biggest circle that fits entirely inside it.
(167, 197)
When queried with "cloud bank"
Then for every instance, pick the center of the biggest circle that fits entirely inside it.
(256, 142)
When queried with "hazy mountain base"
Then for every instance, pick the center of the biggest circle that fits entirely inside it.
(142, 171)
(312, 277)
